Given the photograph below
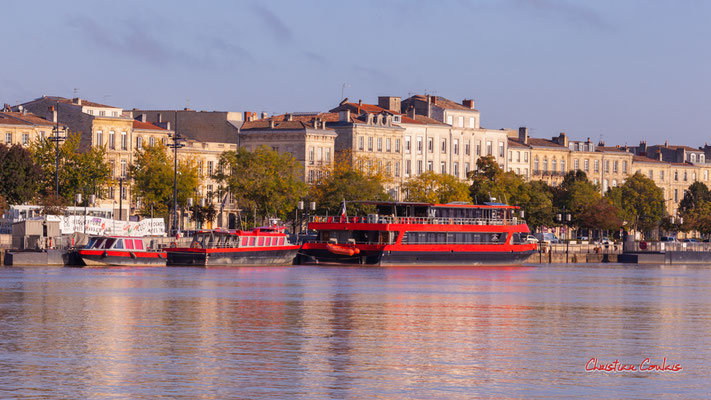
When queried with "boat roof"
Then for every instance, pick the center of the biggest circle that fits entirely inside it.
(452, 204)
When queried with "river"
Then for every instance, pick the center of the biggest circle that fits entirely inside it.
(328, 332)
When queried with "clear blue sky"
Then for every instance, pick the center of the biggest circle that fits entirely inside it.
(623, 70)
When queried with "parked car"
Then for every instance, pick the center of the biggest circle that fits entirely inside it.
(547, 237)
(691, 240)
(668, 239)
(530, 239)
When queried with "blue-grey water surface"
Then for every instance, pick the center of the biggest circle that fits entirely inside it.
(331, 332)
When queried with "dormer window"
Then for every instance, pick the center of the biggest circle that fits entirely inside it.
(397, 119)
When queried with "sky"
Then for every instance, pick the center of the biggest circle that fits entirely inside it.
(621, 71)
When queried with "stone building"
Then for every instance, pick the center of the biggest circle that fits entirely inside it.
(23, 128)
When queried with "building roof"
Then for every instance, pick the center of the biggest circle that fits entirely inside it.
(516, 143)
(64, 100)
(147, 126)
(359, 109)
(647, 160)
(290, 122)
(545, 143)
(687, 148)
(423, 119)
(442, 102)
(18, 118)
(612, 149)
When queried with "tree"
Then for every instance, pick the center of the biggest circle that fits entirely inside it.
(576, 194)
(79, 172)
(431, 187)
(18, 174)
(695, 208)
(641, 202)
(489, 181)
(264, 180)
(601, 215)
(3, 205)
(536, 199)
(152, 173)
(350, 180)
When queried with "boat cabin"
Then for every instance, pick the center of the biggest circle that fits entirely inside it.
(116, 243)
(259, 237)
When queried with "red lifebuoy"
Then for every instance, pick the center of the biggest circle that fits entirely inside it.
(643, 245)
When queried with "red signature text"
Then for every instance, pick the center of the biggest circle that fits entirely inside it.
(647, 365)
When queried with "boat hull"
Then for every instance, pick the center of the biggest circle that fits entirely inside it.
(231, 257)
(109, 258)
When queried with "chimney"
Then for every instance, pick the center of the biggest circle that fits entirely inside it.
(271, 124)
(315, 121)
(429, 106)
(344, 116)
(666, 143)
(411, 112)
(360, 103)
(523, 135)
(167, 125)
(469, 103)
(76, 101)
(562, 139)
(143, 117)
(659, 156)
(288, 117)
(264, 115)
(53, 110)
(391, 103)
(434, 100)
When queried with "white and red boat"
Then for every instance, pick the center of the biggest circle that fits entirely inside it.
(260, 246)
(104, 251)
(402, 233)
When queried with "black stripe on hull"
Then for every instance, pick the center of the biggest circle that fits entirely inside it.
(386, 258)
(246, 258)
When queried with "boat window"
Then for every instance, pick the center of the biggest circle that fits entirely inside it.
(281, 241)
(261, 241)
(118, 244)
(129, 244)
(251, 241)
(245, 241)
(269, 242)
(109, 243)
(98, 243)
(138, 244)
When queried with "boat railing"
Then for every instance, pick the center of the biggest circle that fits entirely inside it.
(388, 219)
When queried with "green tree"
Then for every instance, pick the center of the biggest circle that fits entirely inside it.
(3, 205)
(640, 201)
(152, 174)
(490, 182)
(79, 172)
(349, 180)
(265, 180)
(695, 208)
(431, 187)
(18, 174)
(536, 199)
(576, 194)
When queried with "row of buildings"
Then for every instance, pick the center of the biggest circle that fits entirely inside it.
(399, 138)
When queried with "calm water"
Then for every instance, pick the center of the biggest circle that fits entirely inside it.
(324, 332)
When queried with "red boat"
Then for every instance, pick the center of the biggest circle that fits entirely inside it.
(104, 251)
(401, 233)
(260, 246)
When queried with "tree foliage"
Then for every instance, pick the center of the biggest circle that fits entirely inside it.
(536, 199)
(18, 174)
(265, 180)
(431, 187)
(695, 208)
(79, 172)
(152, 174)
(350, 180)
(490, 182)
(640, 201)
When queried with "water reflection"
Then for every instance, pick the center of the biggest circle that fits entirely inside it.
(310, 332)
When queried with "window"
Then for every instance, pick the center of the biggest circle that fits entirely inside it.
(510, 155)
(407, 144)
(397, 145)
(661, 175)
(430, 145)
(518, 156)
(596, 166)
(576, 163)
(466, 169)
(429, 165)
(102, 113)
(387, 145)
(535, 165)
(456, 146)
(419, 145)
(139, 142)
(586, 165)
(501, 149)
(111, 192)
(693, 157)
(8, 138)
(478, 149)
(311, 176)
(449, 119)
(319, 154)
(328, 155)
(419, 167)
(443, 167)
(489, 148)
(471, 122)
(380, 144)
(112, 167)
(615, 164)
(607, 166)
(604, 185)
(388, 168)
(123, 192)
(460, 121)
(676, 176)
(370, 144)
(124, 141)
(408, 166)
(41, 135)
(676, 195)
(685, 175)
(455, 169)
(651, 174)
(112, 140)
(210, 165)
(200, 163)
(123, 168)
(562, 165)
(152, 141)
(624, 167)
(467, 147)
(361, 141)
(554, 166)
(525, 156)
(693, 176)
(545, 164)
(706, 175)
(444, 146)
(25, 139)
(614, 183)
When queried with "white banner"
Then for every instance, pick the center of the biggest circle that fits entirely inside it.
(108, 227)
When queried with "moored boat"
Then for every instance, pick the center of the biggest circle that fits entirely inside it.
(401, 233)
(260, 246)
(104, 251)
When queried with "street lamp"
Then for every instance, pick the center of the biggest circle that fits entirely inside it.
(56, 138)
(177, 143)
(565, 218)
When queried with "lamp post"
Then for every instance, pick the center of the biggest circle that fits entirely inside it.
(121, 198)
(56, 138)
(564, 218)
(177, 143)
(190, 204)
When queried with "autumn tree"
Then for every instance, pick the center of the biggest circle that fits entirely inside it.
(431, 187)
(640, 201)
(349, 179)
(79, 171)
(18, 174)
(263, 180)
(152, 175)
